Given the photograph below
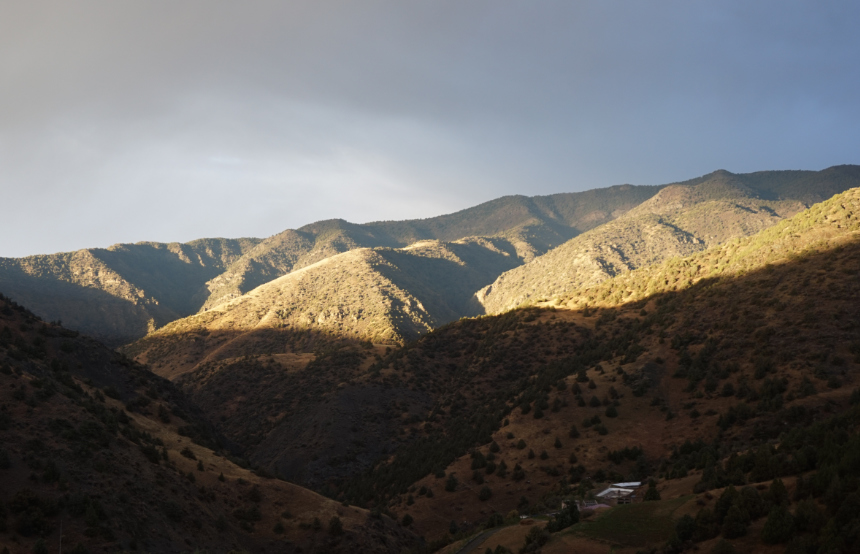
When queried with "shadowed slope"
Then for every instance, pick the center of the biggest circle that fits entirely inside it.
(115, 458)
(729, 345)
(119, 293)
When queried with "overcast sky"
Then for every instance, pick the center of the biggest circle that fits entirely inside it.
(123, 121)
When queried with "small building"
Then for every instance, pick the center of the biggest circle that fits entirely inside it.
(616, 495)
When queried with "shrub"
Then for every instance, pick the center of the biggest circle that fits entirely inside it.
(485, 493)
(779, 526)
(652, 493)
(736, 522)
(451, 483)
(407, 520)
(335, 525)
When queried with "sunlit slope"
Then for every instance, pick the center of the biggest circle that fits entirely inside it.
(820, 228)
(678, 221)
(382, 295)
(119, 293)
(728, 345)
(532, 225)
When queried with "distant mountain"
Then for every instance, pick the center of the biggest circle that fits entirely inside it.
(532, 225)
(119, 293)
(123, 292)
(97, 454)
(679, 220)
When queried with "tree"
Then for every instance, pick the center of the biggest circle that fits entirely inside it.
(485, 493)
(451, 483)
(611, 411)
(685, 528)
(652, 493)
(777, 493)
(564, 519)
(779, 526)
(736, 522)
(335, 526)
(407, 520)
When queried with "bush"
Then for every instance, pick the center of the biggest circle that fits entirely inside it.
(451, 483)
(611, 411)
(407, 520)
(779, 526)
(652, 493)
(40, 547)
(485, 493)
(335, 525)
(736, 522)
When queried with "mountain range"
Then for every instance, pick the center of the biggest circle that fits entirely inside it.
(122, 293)
(429, 379)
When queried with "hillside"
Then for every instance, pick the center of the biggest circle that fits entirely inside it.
(532, 225)
(116, 458)
(767, 323)
(119, 293)
(679, 220)
(723, 349)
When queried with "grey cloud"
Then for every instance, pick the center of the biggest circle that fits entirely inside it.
(125, 121)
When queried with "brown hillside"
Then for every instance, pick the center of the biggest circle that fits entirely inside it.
(772, 328)
(329, 419)
(105, 451)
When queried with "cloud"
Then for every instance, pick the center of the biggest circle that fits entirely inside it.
(171, 121)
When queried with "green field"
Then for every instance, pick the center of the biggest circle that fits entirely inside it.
(634, 524)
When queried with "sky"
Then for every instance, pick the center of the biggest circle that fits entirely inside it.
(124, 121)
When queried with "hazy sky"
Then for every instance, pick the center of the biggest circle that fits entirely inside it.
(123, 121)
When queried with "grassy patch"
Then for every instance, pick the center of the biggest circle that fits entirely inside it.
(634, 524)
